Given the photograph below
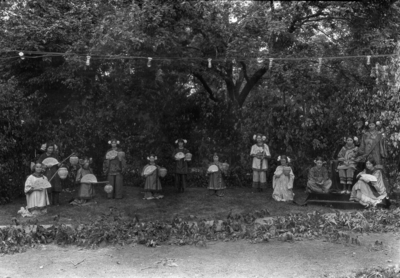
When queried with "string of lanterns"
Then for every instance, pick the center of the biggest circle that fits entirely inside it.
(41, 54)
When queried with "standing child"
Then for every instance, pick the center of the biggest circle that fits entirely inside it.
(260, 153)
(181, 169)
(113, 167)
(152, 186)
(215, 171)
(50, 173)
(86, 190)
(282, 182)
(37, 199)
(347, 164)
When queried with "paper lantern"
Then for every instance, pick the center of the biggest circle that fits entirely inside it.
(63, 172)
(225, 166)
(121, 155)
(162, 172)
(73, 160)
(188, 157)
(108, 188)
(213, 168)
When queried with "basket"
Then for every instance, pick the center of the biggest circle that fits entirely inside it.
(287, 170)
(162, 172)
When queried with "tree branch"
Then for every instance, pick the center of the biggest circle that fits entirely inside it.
(250, 84)
(206, 87)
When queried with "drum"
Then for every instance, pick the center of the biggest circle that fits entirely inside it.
(162, 172)
(73, 160)
(63, 172)
(188, 157)
(108, 188)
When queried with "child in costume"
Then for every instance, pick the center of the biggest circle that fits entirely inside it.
(216, 182)
(152, 186)
(86, 190)
(37, 199)
(114, 165)
(318, 179)
(347, 164)
(260, 153)
(181, 169)
(282, 182)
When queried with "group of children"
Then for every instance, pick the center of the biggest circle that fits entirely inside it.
(115, 164)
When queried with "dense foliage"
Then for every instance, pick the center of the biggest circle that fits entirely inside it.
(303, 111)
(256, 227)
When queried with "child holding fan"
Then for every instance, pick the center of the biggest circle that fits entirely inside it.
(152, 185)
(216, 170)
(282, 182)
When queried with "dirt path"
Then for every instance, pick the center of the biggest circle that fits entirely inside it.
(220, 259)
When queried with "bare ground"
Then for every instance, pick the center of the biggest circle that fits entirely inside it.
(310, 258)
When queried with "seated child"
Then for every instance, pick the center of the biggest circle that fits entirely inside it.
(318, 180)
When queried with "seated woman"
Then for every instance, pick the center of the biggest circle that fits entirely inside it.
(318, 179)
(367, 191)
(282, 182)
(347, 164)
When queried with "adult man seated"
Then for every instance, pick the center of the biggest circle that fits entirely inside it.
(318, 179)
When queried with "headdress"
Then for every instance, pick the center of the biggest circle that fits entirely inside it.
(180, 140)
(372, 120)
(113, 141)
(155, 157)
(284, 157)
(46, 145)
(263, 137)
(319, 158)
(355, 139)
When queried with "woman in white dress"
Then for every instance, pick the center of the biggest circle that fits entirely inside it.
(369, 191)
(37, 198)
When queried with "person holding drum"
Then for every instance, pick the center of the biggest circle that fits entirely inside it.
(152, 186)
(113, 167)
(50, 171)
(216, 170)
(182, 156)
(260, 153)
(36, 194)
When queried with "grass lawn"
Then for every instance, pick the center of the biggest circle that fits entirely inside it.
(195, 202)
